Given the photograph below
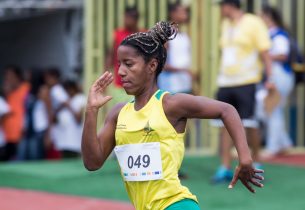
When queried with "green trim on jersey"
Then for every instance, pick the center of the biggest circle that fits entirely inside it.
(159, 94)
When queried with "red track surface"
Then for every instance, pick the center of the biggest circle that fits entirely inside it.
(13, 199)
(294, 160)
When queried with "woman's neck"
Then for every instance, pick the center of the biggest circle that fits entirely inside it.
(144, 96)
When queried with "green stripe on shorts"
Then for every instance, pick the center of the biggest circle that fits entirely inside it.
(185, 204)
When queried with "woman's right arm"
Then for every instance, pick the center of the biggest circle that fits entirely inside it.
(96, 148)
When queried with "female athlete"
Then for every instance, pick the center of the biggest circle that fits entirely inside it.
(147, 133)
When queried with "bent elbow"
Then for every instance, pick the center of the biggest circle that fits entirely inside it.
(90, 166)
(228, 110)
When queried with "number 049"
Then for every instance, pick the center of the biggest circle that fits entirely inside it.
(139, 161)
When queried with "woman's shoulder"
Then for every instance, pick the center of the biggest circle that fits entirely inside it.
(175, 103)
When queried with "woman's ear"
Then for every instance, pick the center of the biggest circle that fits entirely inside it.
(153, 65)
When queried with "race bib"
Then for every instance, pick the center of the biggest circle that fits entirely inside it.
(140, 162)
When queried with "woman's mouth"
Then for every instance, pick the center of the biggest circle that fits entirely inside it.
(126, 84)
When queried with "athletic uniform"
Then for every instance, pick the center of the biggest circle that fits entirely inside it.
(150, 152)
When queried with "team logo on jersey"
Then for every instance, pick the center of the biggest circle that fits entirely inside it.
(147, 129)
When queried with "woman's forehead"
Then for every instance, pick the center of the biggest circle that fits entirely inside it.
(127, 51)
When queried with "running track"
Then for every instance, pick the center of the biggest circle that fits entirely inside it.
(13, 199)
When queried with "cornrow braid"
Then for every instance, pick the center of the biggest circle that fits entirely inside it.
(150, 44)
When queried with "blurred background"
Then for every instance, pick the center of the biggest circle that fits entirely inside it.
(53, 50)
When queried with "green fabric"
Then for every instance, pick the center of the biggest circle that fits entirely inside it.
(159, 94)
(185, 204)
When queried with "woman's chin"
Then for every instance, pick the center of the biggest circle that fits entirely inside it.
(128, 91)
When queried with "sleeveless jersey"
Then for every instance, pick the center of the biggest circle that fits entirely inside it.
(148, 125)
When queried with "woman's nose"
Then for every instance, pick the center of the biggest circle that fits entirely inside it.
(122, 71)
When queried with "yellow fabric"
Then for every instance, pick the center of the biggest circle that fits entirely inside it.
(150, 124)
(245, 40)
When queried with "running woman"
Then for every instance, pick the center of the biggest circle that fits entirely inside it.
(147, 133)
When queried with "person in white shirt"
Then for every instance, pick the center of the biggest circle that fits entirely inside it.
(277, 138)
(71, 142)
(58, 115)
(177, 77)
(4, 111)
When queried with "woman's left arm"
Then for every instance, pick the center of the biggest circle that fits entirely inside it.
(188, 106)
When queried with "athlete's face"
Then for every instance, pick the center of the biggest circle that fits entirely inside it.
(135, 72)
(226, 10)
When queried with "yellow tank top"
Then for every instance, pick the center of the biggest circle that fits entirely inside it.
(150, 124)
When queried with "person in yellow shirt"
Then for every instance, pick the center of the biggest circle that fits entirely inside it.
(147, 133)
(245, 45)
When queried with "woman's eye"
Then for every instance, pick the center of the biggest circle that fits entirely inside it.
(128, 64)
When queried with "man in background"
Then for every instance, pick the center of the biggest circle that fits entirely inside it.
(15, 92)
(245, 44)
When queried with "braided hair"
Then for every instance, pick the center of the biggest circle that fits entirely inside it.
(150, 44)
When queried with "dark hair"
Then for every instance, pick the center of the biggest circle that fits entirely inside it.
(234, 3)
(132, 11)
(150, 44)
(54, 72)
(36, 80)
(173, 7)
(71, 84)
(274, 14)
(15, 70)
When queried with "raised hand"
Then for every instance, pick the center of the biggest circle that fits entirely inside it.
(247, 175)
(96, 97)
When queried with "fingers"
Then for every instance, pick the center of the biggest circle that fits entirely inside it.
(100, 78)
(234, 180)
(248, 186)
(258, 171)
(104, 81)
(256, 176)
(256, 183)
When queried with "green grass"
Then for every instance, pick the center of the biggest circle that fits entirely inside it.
(284, 185)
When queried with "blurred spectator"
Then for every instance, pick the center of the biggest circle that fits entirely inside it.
(58, 116)
(244, 42)
(71, 142)
(36, 119)
(283, 79)
(4, 112)
(176, 76)
(15, 91)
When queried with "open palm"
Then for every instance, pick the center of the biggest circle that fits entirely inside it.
(247, 175)
(97, 97)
